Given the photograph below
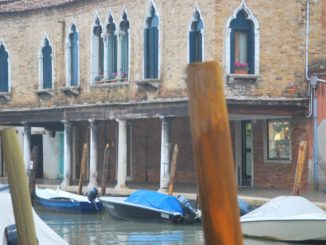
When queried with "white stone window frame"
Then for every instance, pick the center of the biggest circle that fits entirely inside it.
(106, 48)
(243, 6)
(40, 62)
(148, 14)
(196, 8)
(119, 53)
(68, 56)
(265, 139)
(9, 68)
(94, 50)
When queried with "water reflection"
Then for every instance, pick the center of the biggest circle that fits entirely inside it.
(102, 229)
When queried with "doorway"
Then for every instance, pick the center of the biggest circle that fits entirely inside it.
(246, 162)
(37, 140)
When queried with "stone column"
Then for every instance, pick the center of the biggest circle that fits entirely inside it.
(67, 153)
(165, 154)
(122, 155)
(27, 145)
(93, 154)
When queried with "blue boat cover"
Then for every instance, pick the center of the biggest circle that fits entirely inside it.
(155, 199)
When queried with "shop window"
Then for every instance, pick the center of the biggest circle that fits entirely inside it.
(151, 49)
(4, 69)
(278, 140)
(196, 39)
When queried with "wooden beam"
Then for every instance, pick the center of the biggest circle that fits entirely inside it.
(173, 168)
(213, 154)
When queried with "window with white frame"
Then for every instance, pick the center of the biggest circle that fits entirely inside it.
(196, 38)
(278, 140)
(97, 52)
(46, 65)
(111, 54)
(242, 42)
(4, 69)
(151, 42)
(124, 47)
(73, 57)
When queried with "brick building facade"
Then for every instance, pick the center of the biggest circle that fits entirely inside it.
(113, 72)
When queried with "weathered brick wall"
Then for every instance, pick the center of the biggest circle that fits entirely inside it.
(282, 47)
(278, 175)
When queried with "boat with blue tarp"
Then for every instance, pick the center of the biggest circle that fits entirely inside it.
(147, 205)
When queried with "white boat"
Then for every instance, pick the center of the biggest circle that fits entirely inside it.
(45, 235)
(286, 218)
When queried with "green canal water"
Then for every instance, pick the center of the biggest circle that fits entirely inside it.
(94, 229)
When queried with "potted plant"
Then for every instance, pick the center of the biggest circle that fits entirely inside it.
(241, 68)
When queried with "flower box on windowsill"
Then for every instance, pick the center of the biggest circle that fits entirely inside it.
(149, 82)
(232, 78)
(114, 81)
(240, 71)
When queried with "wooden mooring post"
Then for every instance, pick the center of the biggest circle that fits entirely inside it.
(105, 172)
(173, 168)
(18, 183)
(299, 170)
(213, 154)
(83, 170)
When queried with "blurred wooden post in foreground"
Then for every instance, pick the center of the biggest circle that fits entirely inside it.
(32, 171)
(213, 154)
(18, 183)
(83, 165)
(105, 173)
(300, 164)
(173, 168)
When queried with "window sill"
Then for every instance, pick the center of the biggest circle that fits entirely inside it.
(5, 95)
(70, 90)
(281, 161)
(151, 82)
(232, 78)
(47, 91)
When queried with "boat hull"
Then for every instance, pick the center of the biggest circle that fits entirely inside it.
(65, 201)
(286, 229)
(70, 206)
(125, 211)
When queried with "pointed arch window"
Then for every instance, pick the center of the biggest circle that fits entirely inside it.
(46, 64)
(97, 52)
(151, 45)
(124, 47)
(4, 69)
(73, 57)
(242, 55)
(111, 49)
(196, 39)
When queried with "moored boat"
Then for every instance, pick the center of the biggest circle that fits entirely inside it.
(66, 201)
(286, 218)
(148, 205)
(44, 234)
